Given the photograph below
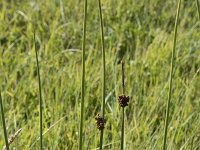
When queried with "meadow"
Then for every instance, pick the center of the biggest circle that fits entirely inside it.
(139, 31)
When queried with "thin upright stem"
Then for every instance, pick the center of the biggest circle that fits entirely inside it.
(83, 77)
(4, 123)
(171, 76)
(123, 84)
(40, 89)
(123, 93)
(198, 9)
(104, 71)
(122, 136)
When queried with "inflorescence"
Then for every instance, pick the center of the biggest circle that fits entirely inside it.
(123, 100)
(100, 122)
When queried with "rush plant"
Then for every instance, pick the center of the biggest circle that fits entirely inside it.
(103, 74)
(40, 89)
(123, 102)
(83, 78)
(198, 9)
(171, 77)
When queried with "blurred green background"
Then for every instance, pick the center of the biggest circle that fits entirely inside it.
(140, 31)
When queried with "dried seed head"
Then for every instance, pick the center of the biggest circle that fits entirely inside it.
(99, 122)
(13, 137)
(123, 100)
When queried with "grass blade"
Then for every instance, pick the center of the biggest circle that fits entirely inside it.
(198, 9)
(48, 130)
(40, 90)
(122, 136)
(4, 123)
(123, 92)
(12, 138)
(171, 76)
(104, 71)
(83, 77)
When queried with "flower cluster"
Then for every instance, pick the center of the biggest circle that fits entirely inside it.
(123, 100)
(99, 122)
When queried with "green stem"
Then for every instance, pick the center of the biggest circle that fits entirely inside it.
(40, 90)
(171, 76)
(122, 136)
(4, 123)
(198, 9)
(83, 76)
(104, 71)
(123, 93)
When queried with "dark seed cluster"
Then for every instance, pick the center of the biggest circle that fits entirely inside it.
(99, 122)
(123, 100)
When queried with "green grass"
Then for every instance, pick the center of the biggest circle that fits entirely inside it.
(39, 88)
(198, 9)
(103, 72)
(123, 93)
(83, 79)
(4, 123)
(171, 76)
(142, 31)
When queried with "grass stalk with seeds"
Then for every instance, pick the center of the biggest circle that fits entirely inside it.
(104, 71)
(171, 77)
(4, 123)
(83, 77)
(123, 102)
(12, 138)
(123, 88)
(40, 89)
(122, 136)
(48, 130)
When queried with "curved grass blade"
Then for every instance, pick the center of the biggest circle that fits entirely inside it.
(171, 76)
(83, 77)
(104, 71)
(4, 123)
(40, 90)
(48, 130)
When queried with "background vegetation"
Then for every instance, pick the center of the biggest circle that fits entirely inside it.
(142, 31)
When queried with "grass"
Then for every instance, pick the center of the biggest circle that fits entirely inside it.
(142, 30)
(123, 93)
(103, 72)
(198, 9)
(123, 102)
(83, 78)
(4, 123)
(122, 136)
(40, 89)
(171, 76)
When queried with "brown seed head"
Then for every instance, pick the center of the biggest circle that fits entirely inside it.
(99, 122)
(13, 137)
(123, 100)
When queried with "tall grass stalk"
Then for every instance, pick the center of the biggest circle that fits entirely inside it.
(171, 76)
(104, 71)
(83, 77)
(122, 136)
(198, 9)
(40, 89)
(123, 93)
(4, 123)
